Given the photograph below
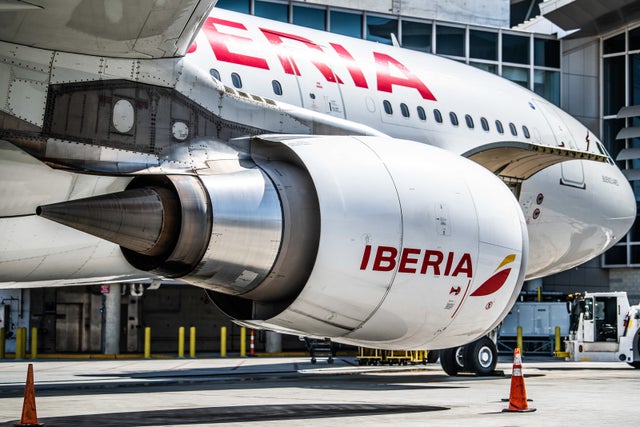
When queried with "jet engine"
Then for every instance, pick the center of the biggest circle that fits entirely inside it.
(366, 240)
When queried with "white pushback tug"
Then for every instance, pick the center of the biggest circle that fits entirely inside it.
(603, 328)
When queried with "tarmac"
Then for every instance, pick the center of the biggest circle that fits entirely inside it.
(290, 391)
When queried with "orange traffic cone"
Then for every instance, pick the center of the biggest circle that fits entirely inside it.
(518, 393)
(29, 415)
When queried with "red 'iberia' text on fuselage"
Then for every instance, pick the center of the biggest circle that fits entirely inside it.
(414, 260)
(223, 37)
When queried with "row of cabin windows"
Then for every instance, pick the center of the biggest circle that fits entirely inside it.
(236, 81)
(453, 117)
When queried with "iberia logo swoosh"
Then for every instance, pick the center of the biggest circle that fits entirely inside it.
(495, 282)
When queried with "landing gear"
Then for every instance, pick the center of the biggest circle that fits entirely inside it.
(452, 361)
(479, 357)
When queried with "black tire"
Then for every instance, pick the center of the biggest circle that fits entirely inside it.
(636, 347)
(481, 357)
(451, 360)
(432, 356)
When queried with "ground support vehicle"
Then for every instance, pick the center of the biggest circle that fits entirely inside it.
(374, 356)
(603, 327)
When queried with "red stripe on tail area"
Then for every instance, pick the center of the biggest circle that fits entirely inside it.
(492, 284)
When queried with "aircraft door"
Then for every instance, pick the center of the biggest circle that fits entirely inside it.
(572, 171)
(588, 324)
(317, 93)
(559, 129)
(318, 84)
(606, 319)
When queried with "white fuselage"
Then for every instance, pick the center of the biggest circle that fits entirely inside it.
(574, 210)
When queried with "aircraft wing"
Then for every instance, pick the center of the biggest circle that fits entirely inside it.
(520, 161)
(113, 28)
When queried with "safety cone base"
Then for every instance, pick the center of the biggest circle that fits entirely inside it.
(519, 410)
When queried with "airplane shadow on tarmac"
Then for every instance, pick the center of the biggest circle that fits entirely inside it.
(272, 376)
(226, 414)
(254, 377)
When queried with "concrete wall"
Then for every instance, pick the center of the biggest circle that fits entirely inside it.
(166, 309)
(588, 277)
(580, 81)
(626, 279)
(172, 306)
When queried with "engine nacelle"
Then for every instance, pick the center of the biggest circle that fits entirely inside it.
(418, 248)
(367, 240)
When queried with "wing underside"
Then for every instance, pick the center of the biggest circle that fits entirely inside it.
(113, 28)
(520, 161)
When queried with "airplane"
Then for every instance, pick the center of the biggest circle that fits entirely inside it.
(313, 184)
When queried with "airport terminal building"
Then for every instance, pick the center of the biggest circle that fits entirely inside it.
(582, 55)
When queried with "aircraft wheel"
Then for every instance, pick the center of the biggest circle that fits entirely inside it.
(636, 364)
(451, 360)
(481, 357)
(432, 356)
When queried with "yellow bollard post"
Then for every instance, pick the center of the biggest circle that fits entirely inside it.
(519, 339)
(192, 341)
(223, 341)
(181, 341)
(21, 343)
(557, 348)
(2, 338)
(243, 342)
(34, 343)
(147, 343)
(539, 293)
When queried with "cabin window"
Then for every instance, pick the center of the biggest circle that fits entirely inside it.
(513, 129)
(469, 120)
(421, 114)
(404, 109)
(387, 107)
(454, 118)
(499, 126)
(236, 80)
(277, 87)
(214, 73)
(525, 131)
(437, 115)
(484, 123)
